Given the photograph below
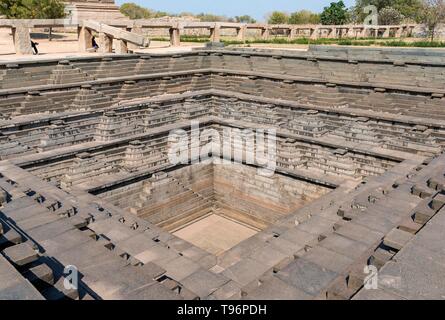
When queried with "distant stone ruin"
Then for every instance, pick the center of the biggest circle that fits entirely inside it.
(100, 10)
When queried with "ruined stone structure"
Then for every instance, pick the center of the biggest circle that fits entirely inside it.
(137, 32)
(86, 177)
(100, 10)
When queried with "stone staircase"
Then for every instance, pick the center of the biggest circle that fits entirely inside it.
(88, 98)
(131, 90)
(65, 73)
(110, 67)
(35, 102)
(14, 76)
(171, 203)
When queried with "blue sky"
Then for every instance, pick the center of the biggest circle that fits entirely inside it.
(255, 8)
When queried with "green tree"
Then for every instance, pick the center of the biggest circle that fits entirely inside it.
(304, 17)
(431, 15)
(133, 11)
(32, 9)
(390, 16)
(208, 17)
(278, 17)
(335, 14)
(14, 9)
(245, 19)
(159, 14)
(409, 9)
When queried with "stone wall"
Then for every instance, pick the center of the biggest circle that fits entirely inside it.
(174, 199)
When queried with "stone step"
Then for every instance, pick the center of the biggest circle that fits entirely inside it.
(9, 238)
(180, 221)
(21, 254)
(40, 275)
(59, 292)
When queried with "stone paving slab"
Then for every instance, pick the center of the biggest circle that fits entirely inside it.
(397, 239)
(179, 268)
(342, 245)
(359, 233)
(21, 254)
(245, 271)
(307, 276)
(204, 283)
(276, 289)
(39, 274)
(416, 271)
(269, 255)
(376, 294)
(13, 286)
(157, 254)
(152, 292)
(227, 291)
(328, 259)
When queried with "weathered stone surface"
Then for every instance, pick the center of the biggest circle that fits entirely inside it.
(13, 286)
(40, 274)
(376, 294)
(245, 271)
(204, 283)
(307, 276)
(86, 172)
(21, 254)
(397, 239)
(22, 39)
(328, 259)
(274, 288)
(230, 290)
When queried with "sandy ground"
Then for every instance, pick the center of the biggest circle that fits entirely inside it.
(65, 46)
(215, 234)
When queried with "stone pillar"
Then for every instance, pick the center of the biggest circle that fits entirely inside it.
(241, 33)
(293, 33)
(332, 33)
(265, 33)
(85, 39)
(365, 33)
(108, 127)
(134, 155)
(351, 32)
(386, 33)
(314, 33)
(215, 33)
(399, 31)
(22, 40)
(105, 43)
(136, 30)
(121, 46)
(175, 37)
(339, 33)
